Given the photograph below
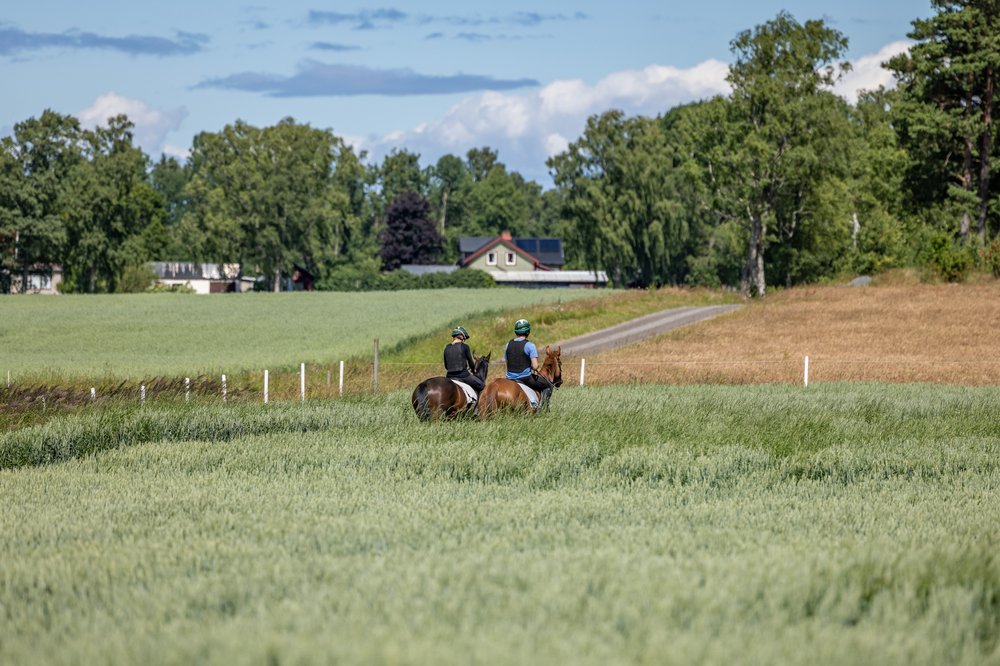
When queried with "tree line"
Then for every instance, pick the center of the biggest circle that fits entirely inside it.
(778, 183)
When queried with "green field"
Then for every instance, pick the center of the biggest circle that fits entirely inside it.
(143, 335)
(839, 524)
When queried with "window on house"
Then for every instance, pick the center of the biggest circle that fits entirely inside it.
(491, 258)
(511, 258)
(38, 282)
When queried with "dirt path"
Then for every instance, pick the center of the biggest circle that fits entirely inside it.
(640, 328)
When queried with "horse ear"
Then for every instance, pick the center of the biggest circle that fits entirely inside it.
(558, 350)
(548, 350)
(489, 355)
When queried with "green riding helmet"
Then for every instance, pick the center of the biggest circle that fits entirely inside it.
(521, 326)
(460, 331)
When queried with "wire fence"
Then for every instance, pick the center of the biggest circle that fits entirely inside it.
(346, 378)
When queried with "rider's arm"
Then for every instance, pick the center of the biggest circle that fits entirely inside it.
(468, 357)
(534, 364)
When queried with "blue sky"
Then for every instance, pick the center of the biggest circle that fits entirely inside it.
(433, 77)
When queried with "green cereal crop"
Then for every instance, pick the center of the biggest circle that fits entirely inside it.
(143, 335)
(663, 525)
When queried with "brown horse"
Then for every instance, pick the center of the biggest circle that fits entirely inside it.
(505, 394)
(438, 397)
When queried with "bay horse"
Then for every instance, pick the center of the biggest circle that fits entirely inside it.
(505, 394)
(438, 397)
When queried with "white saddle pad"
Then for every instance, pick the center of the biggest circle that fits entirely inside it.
(470, 393)
(530, 394)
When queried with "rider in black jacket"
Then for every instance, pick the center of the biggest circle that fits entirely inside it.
(458, 360)
(521, 357)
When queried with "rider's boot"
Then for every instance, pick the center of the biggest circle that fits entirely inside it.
(543, 401)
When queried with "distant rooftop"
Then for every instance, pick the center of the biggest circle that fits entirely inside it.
(189, 270)
(548, 251)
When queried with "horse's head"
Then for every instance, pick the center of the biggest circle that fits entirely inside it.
(481, 365)
(552, 365)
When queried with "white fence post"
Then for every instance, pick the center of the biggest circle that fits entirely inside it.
(265, 387)
(302, 381)
(142, 394)
(223, 388)
(805, 375)
(376, 366)
(187, 389)
(583, 369)
(93, 393)
(341, 378)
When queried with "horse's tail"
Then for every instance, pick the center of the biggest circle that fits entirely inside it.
(419, 400)
(488, 401)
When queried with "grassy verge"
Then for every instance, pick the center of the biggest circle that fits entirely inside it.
(850, 524)
(555, 322)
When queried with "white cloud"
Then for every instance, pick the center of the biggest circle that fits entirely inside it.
(179, 152)
(528, 127)
(867, 72)
(151, 125)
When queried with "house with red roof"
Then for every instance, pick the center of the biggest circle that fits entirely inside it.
(524, 262)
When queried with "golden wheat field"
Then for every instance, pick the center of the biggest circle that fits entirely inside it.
(914, 333)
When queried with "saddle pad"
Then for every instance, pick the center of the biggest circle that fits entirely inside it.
(470, 393)
(530, 394)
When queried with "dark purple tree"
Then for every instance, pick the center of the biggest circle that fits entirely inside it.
(409, 237)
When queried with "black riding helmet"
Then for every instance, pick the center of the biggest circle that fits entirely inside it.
(460, 331)
(521, 327)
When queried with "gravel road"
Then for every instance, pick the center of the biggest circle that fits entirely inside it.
(640, 328)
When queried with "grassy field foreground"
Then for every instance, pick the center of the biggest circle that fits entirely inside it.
(845, 524)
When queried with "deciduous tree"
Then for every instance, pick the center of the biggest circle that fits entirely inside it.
(34, 164)
(409, 237)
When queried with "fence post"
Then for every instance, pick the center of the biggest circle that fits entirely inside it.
(329, 376)
(583, 369)
(341, 390)
(187, 389)
(265, 387)
(142, 394)
(223, 388)
(302, 381)
(376, 365)
(805, 371)
(93, 393)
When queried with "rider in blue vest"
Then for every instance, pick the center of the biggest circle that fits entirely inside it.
(521, 356)
(458, 360)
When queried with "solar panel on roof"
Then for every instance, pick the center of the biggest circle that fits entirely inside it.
(549, 245)
(527, 244)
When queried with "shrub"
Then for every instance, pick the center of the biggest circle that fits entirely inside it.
(351, 279)
(136, 279)
(989, 257)
(949, 260)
